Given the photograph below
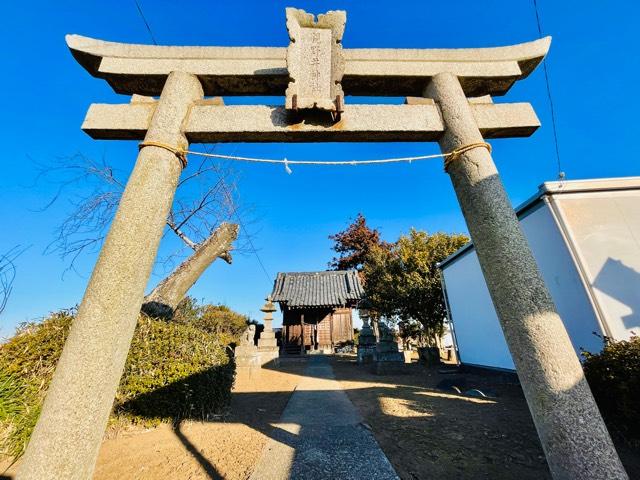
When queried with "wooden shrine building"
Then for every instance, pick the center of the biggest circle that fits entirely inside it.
(316, 308)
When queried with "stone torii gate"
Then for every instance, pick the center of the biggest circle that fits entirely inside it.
(314, 73)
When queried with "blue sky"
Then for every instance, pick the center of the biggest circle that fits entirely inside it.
(593, 66)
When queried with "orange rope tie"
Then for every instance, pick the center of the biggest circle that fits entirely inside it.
(456, 153)
(177, 151)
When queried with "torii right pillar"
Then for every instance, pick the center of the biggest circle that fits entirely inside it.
(573, 435)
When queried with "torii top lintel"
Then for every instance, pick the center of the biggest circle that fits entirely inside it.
(143, 69)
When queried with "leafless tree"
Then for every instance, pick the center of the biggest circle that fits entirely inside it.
(164, 299)
(205, 201)
(8, 274)
(205, 197)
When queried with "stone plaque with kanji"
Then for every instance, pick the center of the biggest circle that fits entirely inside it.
(314, 60)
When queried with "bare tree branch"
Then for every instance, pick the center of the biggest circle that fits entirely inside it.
(190, 243)
(205, 198)
(8, 273)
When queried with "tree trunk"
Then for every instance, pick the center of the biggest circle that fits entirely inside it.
(164, 299)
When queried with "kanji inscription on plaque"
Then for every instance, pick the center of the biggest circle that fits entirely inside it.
(314, 60)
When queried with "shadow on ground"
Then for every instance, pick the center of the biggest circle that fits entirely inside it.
(424, 432)
(427, 432)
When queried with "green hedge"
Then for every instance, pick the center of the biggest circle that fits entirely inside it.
(614, 378)
(218, 320)
(173, 371)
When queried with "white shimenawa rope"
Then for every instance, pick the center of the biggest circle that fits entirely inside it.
(449, 156)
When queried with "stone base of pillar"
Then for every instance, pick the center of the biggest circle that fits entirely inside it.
(268, 350)
(267, 340)
(366, 344)
(269, 355)
(366, 354)
(247, 357)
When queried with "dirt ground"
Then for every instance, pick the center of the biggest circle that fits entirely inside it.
(201, 450)
(228, 448)
(425, 433)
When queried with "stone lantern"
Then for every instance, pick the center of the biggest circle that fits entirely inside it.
(267, 343)
(268, 310)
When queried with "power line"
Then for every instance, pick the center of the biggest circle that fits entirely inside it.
(153, 39)
(224, 185)
(241, 223)
(253, 248)
(561, 173)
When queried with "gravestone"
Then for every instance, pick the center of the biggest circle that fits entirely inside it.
(389, 359)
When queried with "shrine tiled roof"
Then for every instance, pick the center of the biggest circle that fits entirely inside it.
(337, 288)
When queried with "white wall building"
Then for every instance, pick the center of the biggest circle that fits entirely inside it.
(585, 236)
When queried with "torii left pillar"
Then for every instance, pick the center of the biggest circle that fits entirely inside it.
(67, 438)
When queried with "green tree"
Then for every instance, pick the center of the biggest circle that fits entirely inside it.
(410, 330)
(403, 282)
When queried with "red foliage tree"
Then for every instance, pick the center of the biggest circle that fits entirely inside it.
(354, 244)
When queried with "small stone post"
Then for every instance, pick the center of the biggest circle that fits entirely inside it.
(572, 432)
(67, 438)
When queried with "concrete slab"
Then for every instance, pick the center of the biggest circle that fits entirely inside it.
(320, 435)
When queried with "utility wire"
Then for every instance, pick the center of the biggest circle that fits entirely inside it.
(153, 39)
(561, 173)
(224, 185)
(253, 248)
(241, 223)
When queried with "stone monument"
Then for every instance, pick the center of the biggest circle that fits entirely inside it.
(66, 440)
(246, 354)
(267, 343)
(388, 359)
(366, 340)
